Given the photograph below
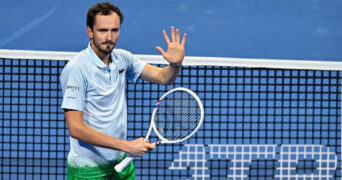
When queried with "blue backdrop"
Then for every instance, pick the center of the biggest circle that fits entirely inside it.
(282, 29)
(253, 112)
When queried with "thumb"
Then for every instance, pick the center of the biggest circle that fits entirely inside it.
(162, 52)
(151, 146)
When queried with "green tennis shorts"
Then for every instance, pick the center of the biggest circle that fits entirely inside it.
(101, 173)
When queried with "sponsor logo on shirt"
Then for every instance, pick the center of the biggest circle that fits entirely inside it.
(73, 88)
(70, 97)
(121, 70)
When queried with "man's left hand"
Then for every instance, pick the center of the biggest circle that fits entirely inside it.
(175, 48)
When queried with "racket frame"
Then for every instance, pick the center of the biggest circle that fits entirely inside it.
(124, 163)
(153, 126)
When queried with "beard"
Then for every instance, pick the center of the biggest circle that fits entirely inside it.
(105, 47)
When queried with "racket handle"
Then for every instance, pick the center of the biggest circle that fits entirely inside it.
(123, 164)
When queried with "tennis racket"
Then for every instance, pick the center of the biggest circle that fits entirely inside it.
(176, 117)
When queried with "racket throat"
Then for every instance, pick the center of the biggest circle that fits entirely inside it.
(158, 142)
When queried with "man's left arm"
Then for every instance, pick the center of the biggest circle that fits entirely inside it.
(174, 55)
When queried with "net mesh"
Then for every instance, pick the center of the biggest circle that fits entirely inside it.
(259, 123)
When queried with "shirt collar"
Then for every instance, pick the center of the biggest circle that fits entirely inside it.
(96, 60)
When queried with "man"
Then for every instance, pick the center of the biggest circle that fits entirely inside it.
(94, 99)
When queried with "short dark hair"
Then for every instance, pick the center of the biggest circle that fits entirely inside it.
(105, 8)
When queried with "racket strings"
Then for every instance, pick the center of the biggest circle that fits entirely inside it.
(178, 116)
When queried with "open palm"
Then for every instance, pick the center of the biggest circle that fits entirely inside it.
(175, 48)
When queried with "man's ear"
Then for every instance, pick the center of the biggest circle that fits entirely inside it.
(90, 32)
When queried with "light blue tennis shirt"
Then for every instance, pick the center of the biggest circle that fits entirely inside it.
(99, 91)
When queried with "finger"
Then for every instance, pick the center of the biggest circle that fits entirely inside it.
(167, 40)
(177, 36)
(146, 149)
(151, 146)
(162, 52)
(173, 38)
(184, 39)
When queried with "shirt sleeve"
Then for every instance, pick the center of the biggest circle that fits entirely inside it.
(73, 87)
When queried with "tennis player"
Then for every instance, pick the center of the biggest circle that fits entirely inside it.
(94, 99)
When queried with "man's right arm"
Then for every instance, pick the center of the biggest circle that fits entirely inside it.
(79, 130)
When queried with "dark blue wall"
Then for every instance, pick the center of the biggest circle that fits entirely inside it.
(282, 29)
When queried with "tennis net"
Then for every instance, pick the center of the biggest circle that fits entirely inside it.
(264, 119)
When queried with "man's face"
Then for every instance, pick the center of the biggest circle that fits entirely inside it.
(105, 32)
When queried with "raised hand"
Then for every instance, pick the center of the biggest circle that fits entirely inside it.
(175, 48)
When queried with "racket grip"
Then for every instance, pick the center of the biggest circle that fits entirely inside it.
(123, 164)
